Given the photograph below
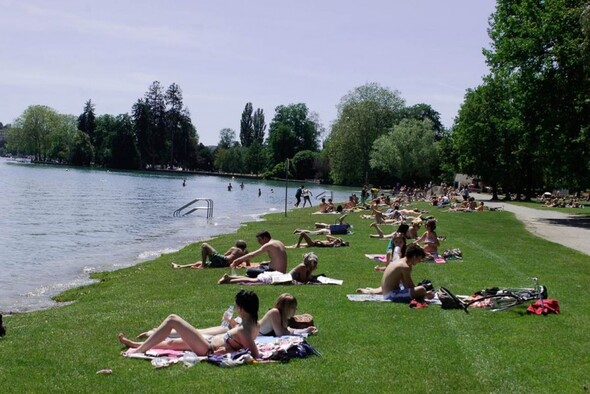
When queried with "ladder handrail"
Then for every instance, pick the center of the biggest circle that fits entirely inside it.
(209, 207)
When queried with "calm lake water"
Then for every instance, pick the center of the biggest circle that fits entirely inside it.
(58, 224)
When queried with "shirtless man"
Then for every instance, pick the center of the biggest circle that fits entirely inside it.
(276, 251)
(216, 259)
(399, 273)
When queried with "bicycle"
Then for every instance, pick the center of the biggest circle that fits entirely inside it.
(496, 299)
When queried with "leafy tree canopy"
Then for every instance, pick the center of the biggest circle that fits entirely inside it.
(408, 151)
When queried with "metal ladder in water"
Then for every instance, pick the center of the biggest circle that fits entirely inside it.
(208, 208)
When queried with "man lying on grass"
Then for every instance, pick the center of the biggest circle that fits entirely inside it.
(216, 259)
(397, 284)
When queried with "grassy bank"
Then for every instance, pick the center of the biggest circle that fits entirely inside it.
(366, 347)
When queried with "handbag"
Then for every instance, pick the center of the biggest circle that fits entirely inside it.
(301, 321)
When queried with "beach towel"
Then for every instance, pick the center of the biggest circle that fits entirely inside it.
(271, 349)
(286, 279)
(377, 257)
(366, 297)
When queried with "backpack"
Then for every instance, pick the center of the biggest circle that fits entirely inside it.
(448, 300)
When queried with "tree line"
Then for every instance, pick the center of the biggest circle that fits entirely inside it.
(525, 128)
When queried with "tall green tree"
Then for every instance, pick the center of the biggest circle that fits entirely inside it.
(122, 144)
(187, 151)
(425, 111)
(30, 133)
(230, 160)
(485, 136)
(174, 119)
(364, 114)
(304, 164)
(62, 139)
(82, 150)
(259, 126)
(156, 102)
(204, 158)
(255, 158)
(227, 138)
(247, 126)
(143, 124)
(291, 131)
(541, 46)
(87, 122)
(408, 151)
(106, 124)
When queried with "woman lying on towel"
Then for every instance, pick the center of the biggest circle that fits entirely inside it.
(239, 337)
(275, 322)
(301, 273)
(329, 242)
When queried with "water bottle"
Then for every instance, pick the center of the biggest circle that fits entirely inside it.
(189, 359)
(226, 316)
(397, 253)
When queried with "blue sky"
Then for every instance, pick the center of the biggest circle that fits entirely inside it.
(223, 54)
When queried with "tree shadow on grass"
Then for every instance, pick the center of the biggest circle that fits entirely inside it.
(572, 221)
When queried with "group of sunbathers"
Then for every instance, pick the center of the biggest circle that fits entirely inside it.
(175, 333)
(396, 285)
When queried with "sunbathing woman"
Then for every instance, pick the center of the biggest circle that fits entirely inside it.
(329, 242)
(238, 337)
(395, 250)
(275, 322)
(301, 273)
(430, 239)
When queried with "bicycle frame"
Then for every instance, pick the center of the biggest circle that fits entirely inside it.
(503, 299)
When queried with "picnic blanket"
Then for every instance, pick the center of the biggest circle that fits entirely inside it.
(271, 349)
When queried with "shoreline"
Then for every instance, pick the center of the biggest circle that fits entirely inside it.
(52, 303)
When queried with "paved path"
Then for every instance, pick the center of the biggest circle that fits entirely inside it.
(568, 230)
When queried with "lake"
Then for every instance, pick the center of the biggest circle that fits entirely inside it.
(60, 224)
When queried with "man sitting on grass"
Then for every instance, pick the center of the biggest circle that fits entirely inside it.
(275, 250)
(397, 284)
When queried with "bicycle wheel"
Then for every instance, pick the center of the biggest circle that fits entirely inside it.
(498, 302)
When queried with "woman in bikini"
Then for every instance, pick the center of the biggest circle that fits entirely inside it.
(395, 250)
(238, 337)
(430, 239)
(274, 323)
(329, 242)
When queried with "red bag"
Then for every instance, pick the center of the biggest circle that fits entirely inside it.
(544, 308)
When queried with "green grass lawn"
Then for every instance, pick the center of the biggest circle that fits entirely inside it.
(366, 347)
